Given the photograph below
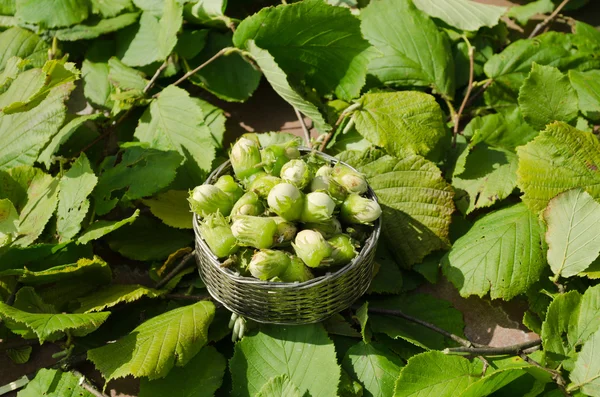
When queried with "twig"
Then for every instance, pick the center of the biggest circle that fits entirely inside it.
(390, 312)
(195, 70)
(87, 385)
(195, 298)
(494, 351)
(341, 118)
(182, 265)
(478, 93)
(108, 131)
(155, 77)
(471, 51)
(549, 19)
(304, 129)
(7, 344)
(556, 376)
(486, 365)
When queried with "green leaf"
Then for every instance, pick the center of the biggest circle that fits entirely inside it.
(73, 205)
(587, 85)
(22, 90)
(175, 122)
(570, 321)
(45, 326)
(422, 306)
(94, 73)
(207, 12)
(155, 346)
(509, 68)
(26, 133)
(141, 173)
(375, 366)
(414, 52)
(362, 315)
(201, 377)
(403, 123)
(573, 240)
(215, 119)
(63, 135)
(586, 374)
(19, 355)
(154, 38)
(291, 93)
(103, 227)
(229, 77)
(462, 14)
(9, 222)
(486, 175)
(279, 386)
(110, 8)
(148, 239)
(493, 382)
(114, 294)
(523, 13)
(415, 199)
(24, 44)
(388, 277)
(52, 13)
(125, 78)
(503, 254)
(559, 159)
(84, 268)
(171, 207)
(42, 198)
(304, 353)
(436, 374)
(546, 96)
(312, 41)
(505, 131)
(54, 383)
(588, 35)
(191, 42)
(98, 27)
(15, 182)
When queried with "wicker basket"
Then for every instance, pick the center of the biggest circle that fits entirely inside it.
(287, 303)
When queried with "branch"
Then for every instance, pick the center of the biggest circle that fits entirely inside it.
(108, 131)
(341, 118)
(16, 343)
(398, 313)
(86, 385)
(494, 351)
(458, 115)
(195, 70)
(549, 19)
(304, 129)
(182, 265)
(155, 77)
(556, 376)
(195, 298)
(478, 93)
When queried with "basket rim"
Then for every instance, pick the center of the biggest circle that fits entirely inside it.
(369, 245)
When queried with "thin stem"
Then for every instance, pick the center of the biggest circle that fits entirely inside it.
(87, 385)
(556, 376)
(471, 51)
(155, 77)
(304, 129)
(486, 365)
(390, 312)
(7, 344)
(478, 93)
(494, 351)
(108, 131)
(549, 19)
(182, 265)
(341, 118)
(195, 298)
(195, 70)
